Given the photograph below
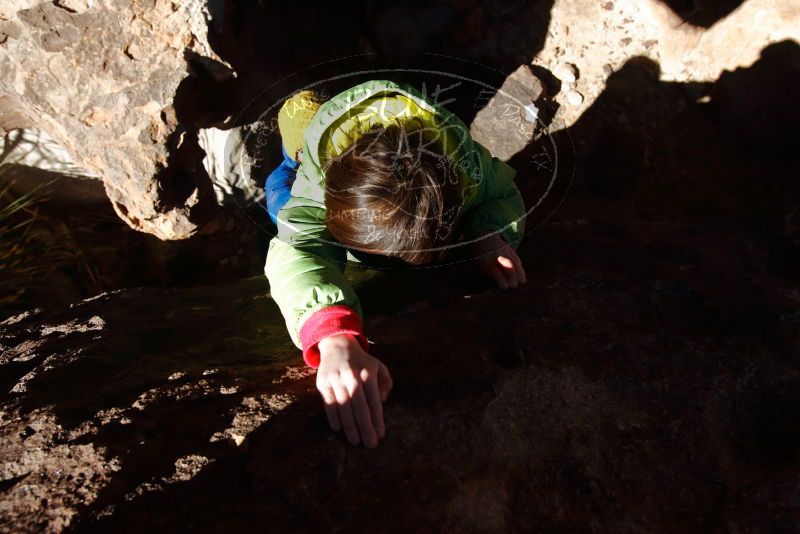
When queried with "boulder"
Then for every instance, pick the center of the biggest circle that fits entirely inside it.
(102, 79)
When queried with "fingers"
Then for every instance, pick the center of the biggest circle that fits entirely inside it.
(385, 382)
(331, 410)
(374, 401)
(499, 277)
(361, 411)
(506, 266)
(346, 412)
(353, 395)
(505, 262)
(522, 278)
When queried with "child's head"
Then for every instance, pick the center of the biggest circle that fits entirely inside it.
(393, 193)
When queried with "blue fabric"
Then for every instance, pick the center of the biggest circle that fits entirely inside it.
(278, 188)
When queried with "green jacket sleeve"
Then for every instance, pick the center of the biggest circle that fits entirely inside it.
(305, 266)
(498, 204)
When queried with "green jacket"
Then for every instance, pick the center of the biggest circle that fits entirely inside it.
(305, 266)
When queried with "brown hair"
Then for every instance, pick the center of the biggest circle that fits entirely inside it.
(393, 193)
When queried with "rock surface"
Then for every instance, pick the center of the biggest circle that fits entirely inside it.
(599, 37)
(509, 120)
(102, 79)
(590, 399)
(646, 378)
(128, 96)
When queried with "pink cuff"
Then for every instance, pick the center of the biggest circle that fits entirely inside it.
(329, 321)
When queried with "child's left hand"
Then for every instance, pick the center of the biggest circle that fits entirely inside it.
(498, 260)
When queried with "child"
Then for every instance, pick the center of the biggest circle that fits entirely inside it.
(378, 170)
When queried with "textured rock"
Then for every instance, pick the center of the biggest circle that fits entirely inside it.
(508, 121)
(101, 78)
(574, 98)
(50, 473)
(567, 73)
(112, 82)
(644, 379)
(599, 37)
(588, 397)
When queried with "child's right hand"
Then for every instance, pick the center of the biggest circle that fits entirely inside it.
(353, 385)
(499, 261)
